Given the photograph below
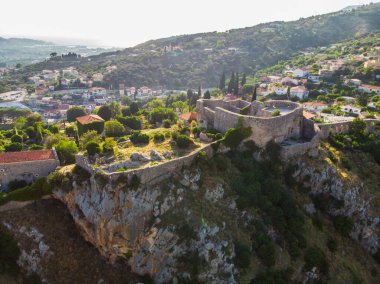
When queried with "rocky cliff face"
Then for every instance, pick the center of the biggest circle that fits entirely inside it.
(156, 229)
(344, 195)
(188, 227)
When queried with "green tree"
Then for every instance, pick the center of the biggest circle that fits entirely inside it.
(231, 83)
(115, 109)
(16, 138)
(236, 86)
(134, 108)
(358, 126)
(54, 139)
(66, 151)
(254, 95)
(109, 146)
(13, 147)
(243, 80)
(207, 95)
(180, 106)
(93, 148)
(105, 112)
(75, 112)
(222, 82)
(89, 136)
(114, 128)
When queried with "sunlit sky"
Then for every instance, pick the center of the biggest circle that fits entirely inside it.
(124, 23)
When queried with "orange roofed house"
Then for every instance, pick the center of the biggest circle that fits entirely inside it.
(26, 165)
(90, 122)
(188, 117)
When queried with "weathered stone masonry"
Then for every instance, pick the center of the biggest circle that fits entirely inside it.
(224, 115)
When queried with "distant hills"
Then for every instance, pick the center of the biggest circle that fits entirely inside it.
(27, 51)
(199, 59)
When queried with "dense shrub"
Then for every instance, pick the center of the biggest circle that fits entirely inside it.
(16, 184)
(139, 138)
(55, 178)
(243, 255)
(54, 128)
(13, 147)
(343, 225)
(158, 137)
(109, 145)
(93, 148)
(16, 138)
(332, 244)
(80, 173)
(166, 123)
(276, 112)
(234, 136)
(54, 139)
(98, 126)
(183, 141)
(272, 276)
(114, 128)
(35, 147)
(133, 122)
(315, 257)
(66, 151)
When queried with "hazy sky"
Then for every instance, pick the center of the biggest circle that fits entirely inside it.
(126, 23)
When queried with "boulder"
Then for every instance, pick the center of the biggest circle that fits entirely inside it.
(138, 157)
(155, 156)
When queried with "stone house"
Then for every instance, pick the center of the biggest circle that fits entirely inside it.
(26, 165)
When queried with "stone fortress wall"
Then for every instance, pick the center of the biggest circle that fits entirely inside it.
(151, 174)
(223, 115)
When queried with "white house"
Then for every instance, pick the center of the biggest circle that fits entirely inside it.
(299, 91)
(350, 109)
(300, 72)
(97, 92)
(314, 78)
(314, 106)
(370, 88)
(279, 90)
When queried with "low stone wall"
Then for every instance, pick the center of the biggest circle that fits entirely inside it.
(344, 127)
(153, 174)
(288, 152)
(150, 174)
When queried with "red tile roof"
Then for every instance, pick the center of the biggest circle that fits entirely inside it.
(89, 118)
(26, 156)
(189, 116)
(315, 104)
(308, 115)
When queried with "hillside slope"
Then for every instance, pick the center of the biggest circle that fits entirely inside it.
(199, 59)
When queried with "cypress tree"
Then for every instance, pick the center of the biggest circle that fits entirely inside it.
(231, 84)
(243, 80)
(254, 96)
(222, 83)
(236, 86)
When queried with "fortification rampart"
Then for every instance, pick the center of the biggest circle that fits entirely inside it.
(265, 127)
(151, 174)
(344, 127)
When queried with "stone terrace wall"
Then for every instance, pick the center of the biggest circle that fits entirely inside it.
(151, 174)
(344, 127)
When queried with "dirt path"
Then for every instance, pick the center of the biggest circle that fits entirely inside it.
(13, 205)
